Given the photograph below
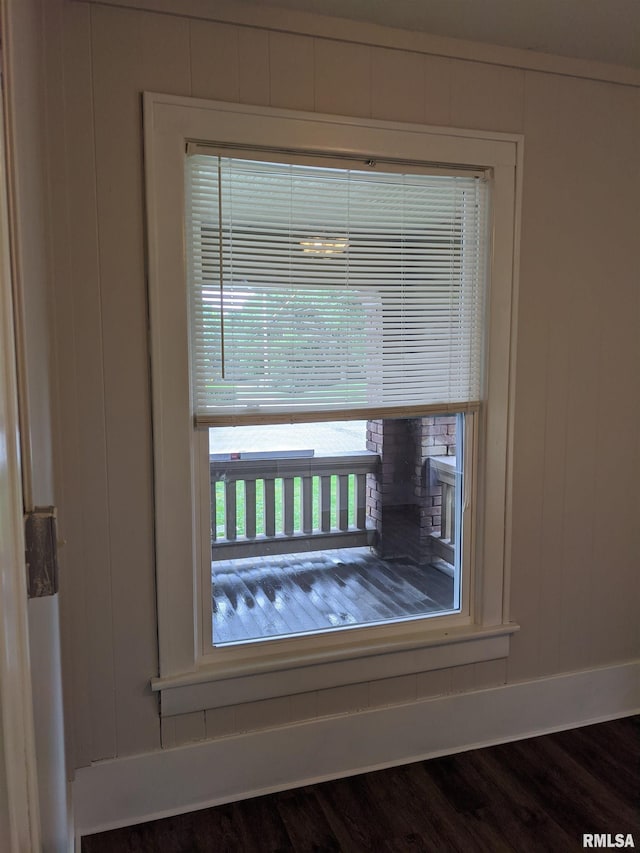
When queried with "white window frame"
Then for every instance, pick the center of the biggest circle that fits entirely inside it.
(193, 675)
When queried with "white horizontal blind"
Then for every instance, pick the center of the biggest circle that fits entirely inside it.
(318, 290)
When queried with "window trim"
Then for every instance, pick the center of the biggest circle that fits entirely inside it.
(187, 681)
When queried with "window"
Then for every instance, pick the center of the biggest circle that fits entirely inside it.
(319, 290)
(322, 288)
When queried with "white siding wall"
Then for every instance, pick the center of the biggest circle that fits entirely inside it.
(576, 547)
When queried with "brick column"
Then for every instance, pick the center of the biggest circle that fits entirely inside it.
(403, 505)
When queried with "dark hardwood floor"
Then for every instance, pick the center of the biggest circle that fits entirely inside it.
(536, 795)
(297, 593)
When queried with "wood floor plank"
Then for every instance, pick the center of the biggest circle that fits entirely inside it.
(273, 617)
(549, 783)
(348, 808)
(371, 606)
(513, 807)
(609, 756)
(333, 607)
(306, 614)
(282, 596)
(401, 594)
(586, 785)
(307, 827)
(260, 827)
(462, 831)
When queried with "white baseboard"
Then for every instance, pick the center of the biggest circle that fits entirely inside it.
(144, 787)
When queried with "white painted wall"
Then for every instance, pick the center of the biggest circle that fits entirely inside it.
(575, 548)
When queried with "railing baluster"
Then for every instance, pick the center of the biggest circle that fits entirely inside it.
(444, 512)
(343, 502)
(451, 513)
(250, 509)
(287, 499)
(325, 504)
(307, 504)
(230, 509)
(214, 512)
(269, 508)
(447, 513)
(361, 501)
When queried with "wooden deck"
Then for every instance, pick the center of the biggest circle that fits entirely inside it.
(320, 590)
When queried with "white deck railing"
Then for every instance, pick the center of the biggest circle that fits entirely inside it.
(287, 505)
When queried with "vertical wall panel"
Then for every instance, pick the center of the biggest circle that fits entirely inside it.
(253, 66)
(342, 78)
(84, 519)
(572, 168)
(537, 283)
(132, 52)
(342, 700)
(214, 61)
(189, 728)
(392, 691)
(263, 714)
(168, 732)
(304, 706)
(544, 357)
(117, 67)
(220, 722)
(463, 678)
(437, 90)
(490, 673)
(397, 85)
(291, 71)
(435, 683)
(616, 541)
(556, 369)
(164, 54)
(486, 96)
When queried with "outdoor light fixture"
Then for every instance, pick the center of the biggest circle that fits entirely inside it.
(318, 246)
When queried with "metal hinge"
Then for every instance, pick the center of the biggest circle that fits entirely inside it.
(41, 551)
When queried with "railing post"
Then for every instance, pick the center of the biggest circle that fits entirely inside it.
(361, 501)
(287, 498)
(343, 501)
(250, 509)
(307, 504)
(325, 503)
(230, 509)
(214, 511)
(269, 507)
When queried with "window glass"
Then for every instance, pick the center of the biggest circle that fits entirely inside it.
(330, 525)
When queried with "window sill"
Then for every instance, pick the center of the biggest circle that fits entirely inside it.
(283, 674)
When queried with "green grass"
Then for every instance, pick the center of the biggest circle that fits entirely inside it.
(279, 508)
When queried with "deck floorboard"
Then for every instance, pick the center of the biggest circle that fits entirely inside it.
(298, 593)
